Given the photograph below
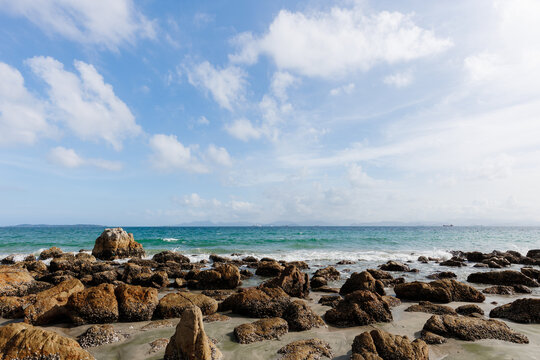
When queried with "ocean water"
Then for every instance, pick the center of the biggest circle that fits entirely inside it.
(314, 243)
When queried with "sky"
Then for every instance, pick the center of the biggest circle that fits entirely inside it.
(263, 112)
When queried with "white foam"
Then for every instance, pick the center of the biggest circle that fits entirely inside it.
(171, 239)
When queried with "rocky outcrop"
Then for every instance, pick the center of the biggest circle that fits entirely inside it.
(441, 291)
(136, 303)
(144, 276)
(292, 281)
(310, 349)
(362, 281)
(49, 306)
(359, 308)
(226, 276)
(95, 305)
(378, 344)
(430, 308)
(264, 329)
(165, 256)
(329, 273)
(11, 307)
(534, 253)
(525, 311)
(15, 281)
(395, 266)
(189, 341)
(50, 253)
(506, 277)
(301, 317)
(98, 335)
(269, 268)
(469, 310)
(23, 341)
(472, 328)
(116, 244)
(173, 305)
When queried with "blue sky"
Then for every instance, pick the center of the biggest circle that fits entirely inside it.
(323, 112)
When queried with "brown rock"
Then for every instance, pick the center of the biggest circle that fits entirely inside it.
(165, 256)
(11, 307)
(173, 305)
(116, 244)
(301, 317)
(442, 291)
(330, 300)
(50, 253)
(362, 281)
(310, 349)
(534, 253)
(136, 303)
(507, 290)
(469, 309)
(226, 276)
(317, 282)
(442, 275)
(269, 268)
(431, 338)
(329, 273)
(158, 345)
(95, 305)
(395, 266)
(257, 302)
(378, 344)
(98, 335)
(142, 275)
(359, 308)
(15, 281)
(430, 308)
(292, 281)
(531, 272)
(216, 317)
(23, 341)
(506, 277)
(525, 311)
(189, 341)
(472, 328)
(264, 329)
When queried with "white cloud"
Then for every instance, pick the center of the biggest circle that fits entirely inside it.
(84, 102)
(345, 89)
(203, 121)
(218, 155)
(70, 159)
(170, 154)
(102, 22)
(243, 129)
(358, 177)
(281, 81)
(399, 80)
(23, 117)
(199, 208)
(226, 85)
(334, 43)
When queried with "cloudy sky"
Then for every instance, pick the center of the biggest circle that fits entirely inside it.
(324, 112)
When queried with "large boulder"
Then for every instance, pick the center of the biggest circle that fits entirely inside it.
(226, 276)
(329, 273)
(378, 345)
(136, 303)
(116, 244)
(95, 305)
(292, 281)
(441, 291)
(173, 305)
(23, 341)
(269, 268)
(15, 281)
(190, 341)
(362, 281)
(264, 329)
(165, 256)
(50, 253)
(395, 266)
(310, 349)
(506, 277)
(359, 308)
(49, 305)
(525, 311)
(534, 253)
(471, 329)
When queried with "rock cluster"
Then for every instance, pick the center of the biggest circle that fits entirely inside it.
(378, 344)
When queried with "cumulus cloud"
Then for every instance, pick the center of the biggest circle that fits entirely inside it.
(281, 81)
(23, 117)
(243, 129)
(101, 22)
(84, 102)
(70, 159)
(334, 43)
(227, 85)
(197, 207)
(399, 80)
(219, 155)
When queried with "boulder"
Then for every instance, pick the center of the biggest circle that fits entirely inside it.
(216, 317)
(50, 253)
(469, 309)
(173, 305)
(507, 290)
(531, 272)
(11, 307)
(269, 268)
(442, 275)
(379, 344)
(525, 311)
(534, 253)
(264, 329)
(173, 256)
(136, 303)
(431, 338)
(190, 341)
(362, 281)
(453, 263)
(104, 277)
(49, 306)
(116, 244)
(302, 265)
(330, 300)
(329, 273)
(98, 335)
(144, 276)
(226, 276)
(506, 277)
(395, 266)
(358, 308)
(472, 328)
(430, 308)
(23, 341)
(317, 282)
(15, 281)
(310, 349)
(301, 317)
(95, 305)
(292, 281)
(441, 291)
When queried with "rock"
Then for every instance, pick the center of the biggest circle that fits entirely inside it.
(507, 290)
(142, 275)
(301, 317)
(226, 276)
(8, 260)
(98, 335)
(330, 300)
(431, 338)
(104, 277)
(173, 256)
(95, 305)
(219, 259)
(506, 277)
(116, 244)
(310, 349)
(359, 308)
(157, 324)
(378, 344)
(423, 259)
(15, 281)
(380, 274)
(394, 266)
(216, 317)
(173, 305)
(189, 341)
(329, 273)
(49, 306)
(269, 268)
(158, 345)
(264, 329)
(250, 259)
(218, 295)
(531, 272)
(472, 328)
(136, 303)
(525, 311)
(257, 302)
(392, 301)
(346, 262)
(318, 281)
(535, 253)
(20, 341)
(292, 281)
(180, 283)
(452, 262)
(362, 281)
(50, 253)
(302, 265)
(480, 265)
(469, 309)
(11, 307)
(442, 291)
(442, 275)
(430, 308)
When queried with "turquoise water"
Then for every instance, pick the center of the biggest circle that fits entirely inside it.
(288, 243)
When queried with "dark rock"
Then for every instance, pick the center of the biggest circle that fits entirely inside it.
(423, 259)
(292, 281)
(311, 349)
(346, 262)
(318, 281)
(531, 272)
(329, 273)
(469, 309)
(116, 244)
(226, 276)
(507, 290)
(301, 317)
(394, 266)
(50, 253)
(173, 305)
(362, 281)
(330, 300)
(535, 253)
(431, 338)
(378, 344)
(452, 262)
(218, 295)
(442, 291)
(11, 307)
(269, 268)
(430, 308)
(219, 259)
(359, 308)
(165, 256)
(525, 311)
(250, 259)
(264, 329)
(216, 317)
(442, 275)
(506, 277)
